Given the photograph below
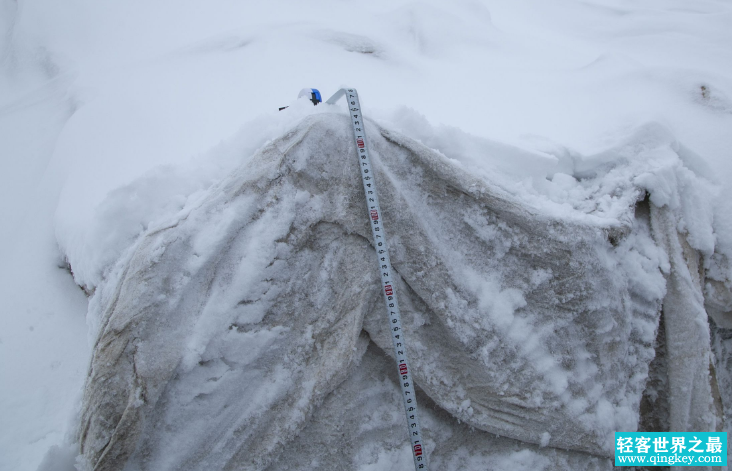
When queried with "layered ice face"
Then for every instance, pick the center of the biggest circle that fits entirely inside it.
(226, 327)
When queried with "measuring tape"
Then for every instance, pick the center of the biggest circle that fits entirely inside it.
(385, 268)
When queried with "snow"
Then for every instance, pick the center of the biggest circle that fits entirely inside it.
(116, 119)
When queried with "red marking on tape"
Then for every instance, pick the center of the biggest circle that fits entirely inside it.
(417, 450)
(402, 369)
(360, 143)
(374, 214)
(388, 290)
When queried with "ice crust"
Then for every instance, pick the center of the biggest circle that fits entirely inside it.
(226, 332)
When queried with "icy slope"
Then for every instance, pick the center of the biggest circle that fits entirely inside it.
(227, 326)
(94, 96)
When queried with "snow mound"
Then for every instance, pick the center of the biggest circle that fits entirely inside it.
(230, 330)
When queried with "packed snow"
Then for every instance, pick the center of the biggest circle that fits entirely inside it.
(116, 119)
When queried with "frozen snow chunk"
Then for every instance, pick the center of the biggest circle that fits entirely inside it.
(519, 323)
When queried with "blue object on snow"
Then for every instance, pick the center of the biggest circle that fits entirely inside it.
(311, 93)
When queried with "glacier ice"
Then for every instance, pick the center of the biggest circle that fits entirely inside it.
(247, 332)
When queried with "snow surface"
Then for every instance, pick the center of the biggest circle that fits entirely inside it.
(112, 118)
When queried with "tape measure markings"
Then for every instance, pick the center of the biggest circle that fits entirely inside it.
(382, 251)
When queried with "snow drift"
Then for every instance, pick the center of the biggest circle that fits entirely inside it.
(247, 331)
